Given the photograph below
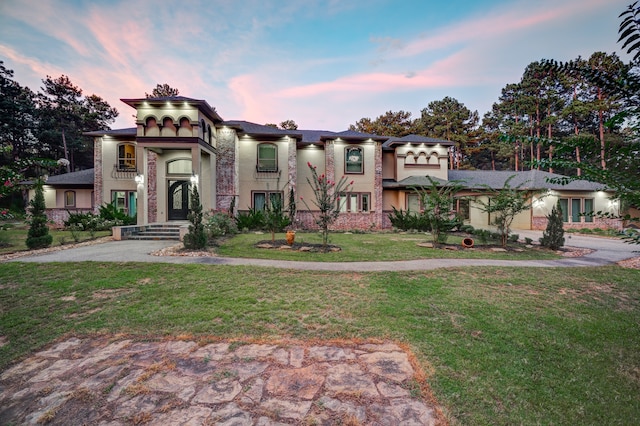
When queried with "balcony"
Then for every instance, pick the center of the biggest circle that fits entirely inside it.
(124, 172)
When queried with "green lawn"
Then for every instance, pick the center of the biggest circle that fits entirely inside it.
(13, 238)
(499, 345)
(369, 247)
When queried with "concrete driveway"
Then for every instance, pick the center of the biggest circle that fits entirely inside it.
(606, 251)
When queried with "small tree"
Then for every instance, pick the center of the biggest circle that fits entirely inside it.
(437, 201)
(292, 206)
(327, 199)
(274, 218)
(196, 238)
(38, 235)
(506, 203)
(553, 236)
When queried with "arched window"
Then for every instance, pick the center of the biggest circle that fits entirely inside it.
(410, 158)
(69, 199)
(353, 160)
(126, 157)
(185, 127)
(267, 157)
(204, 130)
(210, 134)
(181, 166)
(168, 128)
(151, 127)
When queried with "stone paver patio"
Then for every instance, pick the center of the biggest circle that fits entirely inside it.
(119, 380)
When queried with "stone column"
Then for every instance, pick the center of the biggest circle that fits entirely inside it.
(226, 169)
(152, 187)
(377, 186)
(97, 174)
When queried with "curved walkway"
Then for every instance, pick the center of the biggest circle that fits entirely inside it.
(607, 251)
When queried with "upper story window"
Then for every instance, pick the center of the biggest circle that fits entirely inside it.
(267, 157)
(353, 160)
(127, 157)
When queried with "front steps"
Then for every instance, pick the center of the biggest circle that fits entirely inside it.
(157, 231)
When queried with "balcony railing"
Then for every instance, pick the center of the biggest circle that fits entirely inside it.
(123, 172)
(261, 173)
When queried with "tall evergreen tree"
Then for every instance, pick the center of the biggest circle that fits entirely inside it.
(391, 123)
(553, 236)
(38, 235)
(451, 120)
(196, 238)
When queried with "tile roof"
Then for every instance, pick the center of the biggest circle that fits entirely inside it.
(260, 129)
(82, 177)
(412, 181)
(201, 103)
(530, 180)
(131, 131)
(415, 139)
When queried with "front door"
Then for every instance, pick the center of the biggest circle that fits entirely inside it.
(178, 199)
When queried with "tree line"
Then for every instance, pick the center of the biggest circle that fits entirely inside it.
(547, 103)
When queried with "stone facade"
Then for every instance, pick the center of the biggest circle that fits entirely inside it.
(226, 169)
(97, 174)
(540, 223)
(152, 187)
(59, 216)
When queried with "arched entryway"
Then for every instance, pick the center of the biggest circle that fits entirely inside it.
(178, 198)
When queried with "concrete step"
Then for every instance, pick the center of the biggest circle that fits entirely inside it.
(155, 232)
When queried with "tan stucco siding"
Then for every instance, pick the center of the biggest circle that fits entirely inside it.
(250, 179)
(362, 182)
(425, 160)
(315, 156)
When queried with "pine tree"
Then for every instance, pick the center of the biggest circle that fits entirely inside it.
(38, 235)
(553, 236)
(196, 238)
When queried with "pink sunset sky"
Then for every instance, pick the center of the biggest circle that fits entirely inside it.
(324, 64)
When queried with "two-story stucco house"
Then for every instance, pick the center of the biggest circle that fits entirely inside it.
(177, 142)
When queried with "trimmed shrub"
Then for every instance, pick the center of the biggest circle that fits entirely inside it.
(218, 224)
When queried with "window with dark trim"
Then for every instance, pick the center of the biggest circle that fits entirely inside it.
(69, 198)
(354, 202)
(353, 160)
(125, 201)
(127, 157)
(267, 157)
(260, 198)
(574, 209)
(413, 202)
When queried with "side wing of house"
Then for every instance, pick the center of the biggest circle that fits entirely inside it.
(68, 193)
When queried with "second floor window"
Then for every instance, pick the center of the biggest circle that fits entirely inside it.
(353, 160)
(126, 157)
(267, 157)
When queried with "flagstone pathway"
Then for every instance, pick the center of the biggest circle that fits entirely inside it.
(118, 380)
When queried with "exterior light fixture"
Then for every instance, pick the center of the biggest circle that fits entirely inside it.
(139, 179)
(194, 179)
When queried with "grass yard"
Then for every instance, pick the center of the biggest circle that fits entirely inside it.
(500, 345)
(369, 247)
(13, 238)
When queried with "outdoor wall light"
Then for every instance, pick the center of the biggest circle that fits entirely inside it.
(139, 179)
(194, 179)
